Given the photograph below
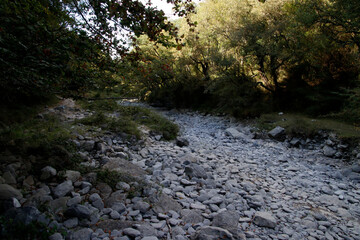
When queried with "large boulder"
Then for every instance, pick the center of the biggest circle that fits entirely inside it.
(278, 133)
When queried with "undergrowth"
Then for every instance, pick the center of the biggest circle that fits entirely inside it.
(48, 140)
(127, 119)
(301, 125)
(12, 230)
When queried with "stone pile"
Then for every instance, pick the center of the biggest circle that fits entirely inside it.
(216, 181)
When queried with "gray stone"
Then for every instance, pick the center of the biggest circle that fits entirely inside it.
(99, 204)
(79, 211)
(82, 234)
(59, 204)
(195, 170)
(164, 204)
(114, 215)
(8, 192)
(84, 191)
(186, 182)
(63, 189)
(123, 186)
(47, 172)
(214, 200)
(234, 133)
(150, 238)
(94, 197)
(264, 219)
(228, 220)
(119, 207)
(191, 216)
(72, 175)
(73, 201)
(212, 233)
(88, 145)
(329, 151)
(71, 223)
(131, 232)
(56, 236)
(143, 207)
(277, 133)
(147, 230)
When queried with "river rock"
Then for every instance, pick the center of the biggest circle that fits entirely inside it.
(63, 189)
(195, 170)
(277, 133)
(234, 133)
(212, 233)
(78, 211)
(329, 151)
(72, 175)
(82, 234)
(264, 219)
(228, 220)
(132, 232)
(47, 172)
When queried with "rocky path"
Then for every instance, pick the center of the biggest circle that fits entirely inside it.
(214, 182)
(256, 189)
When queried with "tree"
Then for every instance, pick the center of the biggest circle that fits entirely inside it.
(66, 46)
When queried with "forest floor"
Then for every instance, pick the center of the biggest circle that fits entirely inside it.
(219, 180)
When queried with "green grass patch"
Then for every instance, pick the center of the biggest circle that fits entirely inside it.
(121, 124)
(112, 178)
(152, 120)
(128, 120)
(47, 139)
(296, 124)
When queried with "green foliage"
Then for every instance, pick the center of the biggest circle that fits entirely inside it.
(246, 57)
(152, 120)
(48, 140)
(115, 125)
(127, 119)
(351, 111)
(18, 231)
(304, 126)
(112, 177)
(69, 47)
